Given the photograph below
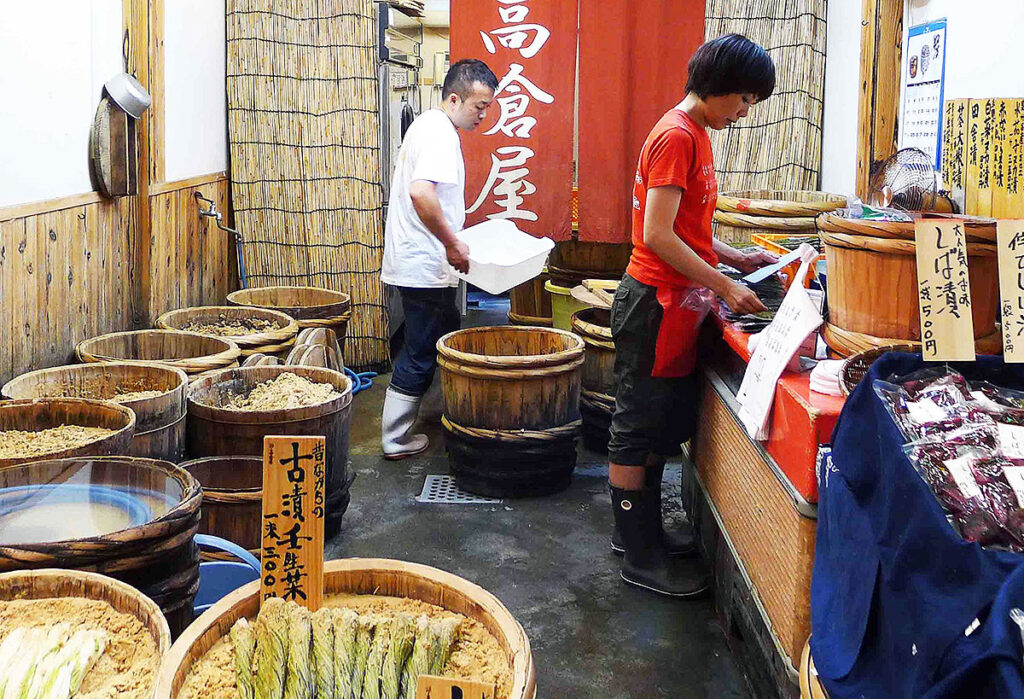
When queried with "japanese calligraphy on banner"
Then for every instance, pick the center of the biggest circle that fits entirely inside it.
(1010, 240)
(944, 291)
(519, 161)
(292, 561)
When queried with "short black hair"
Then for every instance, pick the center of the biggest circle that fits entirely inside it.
(732, 64)
(463, 74)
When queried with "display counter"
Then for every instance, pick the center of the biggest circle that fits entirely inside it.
(755, 510)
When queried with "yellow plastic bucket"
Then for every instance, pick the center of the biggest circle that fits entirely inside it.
(563, 305)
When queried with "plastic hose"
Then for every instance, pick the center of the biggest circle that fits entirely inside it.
(360, 381)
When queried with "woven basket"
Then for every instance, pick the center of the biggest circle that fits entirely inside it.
(779, 203)
(856, 366)
(274, 341)
(976, 230)
(739, 215)
(190, 352)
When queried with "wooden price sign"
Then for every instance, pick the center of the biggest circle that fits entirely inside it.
(944, 291)
(292, 561)
(430, 687)
(1010, 240)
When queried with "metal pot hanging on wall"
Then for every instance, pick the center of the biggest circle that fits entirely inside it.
(113, 141)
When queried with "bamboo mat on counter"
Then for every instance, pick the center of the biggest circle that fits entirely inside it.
(306, 154)
(778, 145)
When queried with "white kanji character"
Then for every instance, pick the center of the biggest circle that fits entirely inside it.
(507, 180)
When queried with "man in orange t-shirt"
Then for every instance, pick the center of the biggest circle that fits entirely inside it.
(653, 325)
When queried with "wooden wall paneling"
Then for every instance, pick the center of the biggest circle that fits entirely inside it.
(162, 227)
(136, 27)
(880, 77)
(157, 141)
(84, 322)
(11, 294)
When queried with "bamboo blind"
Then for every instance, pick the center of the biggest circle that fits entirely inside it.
(303, 118)
(778, 145)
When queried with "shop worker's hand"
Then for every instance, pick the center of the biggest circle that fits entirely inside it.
(458, 256)
(755, 260)
(742, 300)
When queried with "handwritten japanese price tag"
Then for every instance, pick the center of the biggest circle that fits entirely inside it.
(795, 320)
(292, 561)
(431, 687)
(1010, 238)
(944, 291)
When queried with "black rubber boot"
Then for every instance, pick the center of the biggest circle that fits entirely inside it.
(645, 563)
(678, 543)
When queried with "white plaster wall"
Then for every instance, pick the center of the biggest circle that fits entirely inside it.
(195, 111)
(842, 77)
(54, 58)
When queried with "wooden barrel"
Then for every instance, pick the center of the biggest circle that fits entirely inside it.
(39, 414)
(159, 419)
(590, 260)
(872, 286)
(232, 498)
(597, 402)
(741, 214)
(976, 230)
(192, 353)
(846, 343)
(529, 304)
(141, 534)
(54, 584)
(214, 430)
(512, 410)
(277, 339)
(511, 378)
(593, 325)
(310, 306)
(364, 576)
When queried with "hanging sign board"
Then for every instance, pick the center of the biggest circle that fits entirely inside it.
(944, 291)
(431, 687)
(1011, 288)
(292, 561)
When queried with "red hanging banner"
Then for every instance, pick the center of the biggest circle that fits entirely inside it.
(519, 161)
(633, 57)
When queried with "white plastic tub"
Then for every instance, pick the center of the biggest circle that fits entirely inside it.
(501, 256)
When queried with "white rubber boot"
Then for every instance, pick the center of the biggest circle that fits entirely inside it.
(400, 412)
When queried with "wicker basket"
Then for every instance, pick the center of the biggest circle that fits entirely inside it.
(275, 341)
(739, 215)
(856, 366)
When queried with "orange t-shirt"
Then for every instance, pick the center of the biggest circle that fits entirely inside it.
(677, 153)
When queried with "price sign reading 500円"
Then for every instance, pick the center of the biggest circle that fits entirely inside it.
(944, 291)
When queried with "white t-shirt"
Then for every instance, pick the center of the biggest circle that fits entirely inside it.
(431, 151)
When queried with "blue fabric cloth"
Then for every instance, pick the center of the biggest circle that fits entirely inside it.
(429, 315)
(894, 586)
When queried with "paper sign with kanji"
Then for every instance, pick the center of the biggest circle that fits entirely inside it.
(1011, 288)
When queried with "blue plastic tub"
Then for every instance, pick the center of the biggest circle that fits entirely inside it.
(220, 578)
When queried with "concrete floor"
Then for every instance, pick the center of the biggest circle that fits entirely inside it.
(548, 561)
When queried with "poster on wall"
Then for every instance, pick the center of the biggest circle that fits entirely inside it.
(519, 161)
(923, 87)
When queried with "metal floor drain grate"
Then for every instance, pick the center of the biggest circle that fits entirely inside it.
(442, 489)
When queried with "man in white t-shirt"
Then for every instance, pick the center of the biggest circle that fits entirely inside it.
(427, 208)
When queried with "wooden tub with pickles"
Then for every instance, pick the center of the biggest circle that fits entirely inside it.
(383, 624)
